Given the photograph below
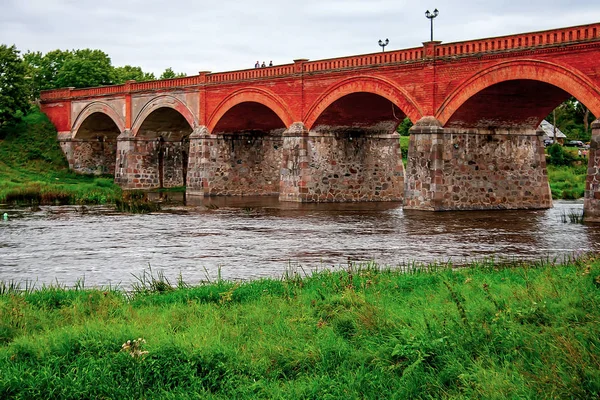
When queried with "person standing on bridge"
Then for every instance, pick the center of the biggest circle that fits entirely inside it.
(263, 65)
(257, 64)
(270, 63)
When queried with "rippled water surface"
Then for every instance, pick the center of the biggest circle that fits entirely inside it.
(259, 237)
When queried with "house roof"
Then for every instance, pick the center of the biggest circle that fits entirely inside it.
(548, 130)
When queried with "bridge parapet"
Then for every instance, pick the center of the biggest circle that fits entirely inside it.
(96, 91)
(166, 83)
(127, 88)
(254, 73)
(365, 60)
(56, 94)
(523, 41)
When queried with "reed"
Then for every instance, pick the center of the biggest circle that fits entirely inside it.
(136, 202)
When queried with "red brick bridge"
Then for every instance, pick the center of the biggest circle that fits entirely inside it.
(326, 130)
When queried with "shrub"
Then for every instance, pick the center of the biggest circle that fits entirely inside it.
(558, 155)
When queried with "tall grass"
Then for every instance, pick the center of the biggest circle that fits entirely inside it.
(567, 182)
(483, 331)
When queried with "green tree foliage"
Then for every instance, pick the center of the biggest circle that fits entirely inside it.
(128, 72)
(14, 91)
(77, 68)
(557, 155)
(42, 69)
(573, 119)
(169, 74)
(404, 127)
(86, 68)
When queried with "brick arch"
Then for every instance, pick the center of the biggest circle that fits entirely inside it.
(164, 101)
(255, 95)
(97, 107)
(573, 82)
(367, 84)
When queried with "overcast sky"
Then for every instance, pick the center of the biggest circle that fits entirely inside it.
(223, 35)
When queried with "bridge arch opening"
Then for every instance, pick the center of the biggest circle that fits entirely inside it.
(247, 145)
(162, 146)
(94, 145)
(360, 113)
(515, 106)
(542, 83)
(250, 117)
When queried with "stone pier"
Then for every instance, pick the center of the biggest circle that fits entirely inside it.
(474, 169)
(150, 163)
(94, 156)
(591, 206)
(341, 166)
(236, 164)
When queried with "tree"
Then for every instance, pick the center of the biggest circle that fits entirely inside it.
(404, 127)
(14, 91)
(127, 73)
(169, 74)
(42, 69)
(86, 68)
(77, 68)
(573, 118)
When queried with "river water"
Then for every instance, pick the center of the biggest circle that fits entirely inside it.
(248, 238)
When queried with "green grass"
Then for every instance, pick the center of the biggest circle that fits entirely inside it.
(567, 182)
(485, 331)
(33, 169)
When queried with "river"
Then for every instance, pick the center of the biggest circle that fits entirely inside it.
(249, 238)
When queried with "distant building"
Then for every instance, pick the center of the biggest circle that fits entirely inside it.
(550, 132)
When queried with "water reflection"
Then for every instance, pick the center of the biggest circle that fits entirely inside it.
(256, 237)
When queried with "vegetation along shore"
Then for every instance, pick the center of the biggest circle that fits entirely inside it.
(526, 330)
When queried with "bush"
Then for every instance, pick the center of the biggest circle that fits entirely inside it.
(404, 127)
(558, 155)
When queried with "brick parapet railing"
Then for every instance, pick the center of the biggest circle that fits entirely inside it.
(522, 41)
(525, 42)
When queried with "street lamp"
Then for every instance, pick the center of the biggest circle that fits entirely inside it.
(383, 44)
(431, 16)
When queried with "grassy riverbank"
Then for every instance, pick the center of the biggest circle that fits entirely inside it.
(567, 182)
(33, 169)
(528, 331)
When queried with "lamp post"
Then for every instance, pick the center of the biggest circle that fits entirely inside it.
(383, 44)
(431, 16)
